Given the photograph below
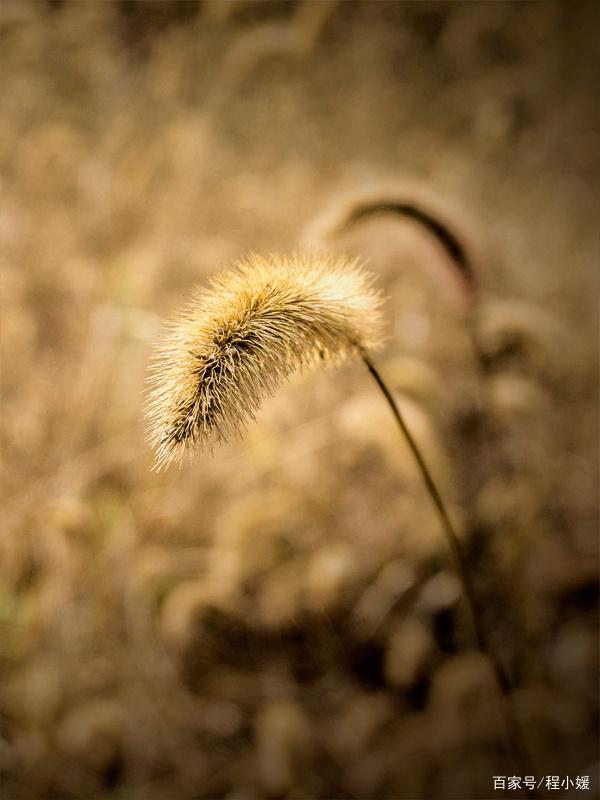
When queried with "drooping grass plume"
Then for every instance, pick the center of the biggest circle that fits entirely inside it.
(446, 237)
(245, 334)
(422, 211)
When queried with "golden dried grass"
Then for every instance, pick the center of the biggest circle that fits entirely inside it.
(240, 338)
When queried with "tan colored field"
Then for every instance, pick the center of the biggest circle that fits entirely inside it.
(281, 618)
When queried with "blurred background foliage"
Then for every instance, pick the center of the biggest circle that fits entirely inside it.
(280, 618)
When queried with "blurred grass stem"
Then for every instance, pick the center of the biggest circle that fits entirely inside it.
(516, 742)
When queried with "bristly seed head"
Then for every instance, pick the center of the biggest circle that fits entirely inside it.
(240, 338)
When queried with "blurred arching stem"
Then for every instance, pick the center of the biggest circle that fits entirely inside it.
(516, 742)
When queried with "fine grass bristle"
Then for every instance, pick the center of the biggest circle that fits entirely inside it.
(246, 333)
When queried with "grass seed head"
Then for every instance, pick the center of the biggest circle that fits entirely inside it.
(245, 334)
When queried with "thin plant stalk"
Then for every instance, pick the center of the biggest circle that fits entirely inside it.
(517, 745)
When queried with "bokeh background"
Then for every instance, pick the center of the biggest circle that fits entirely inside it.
(281, 619)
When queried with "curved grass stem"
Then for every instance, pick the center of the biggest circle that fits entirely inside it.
(515, 738)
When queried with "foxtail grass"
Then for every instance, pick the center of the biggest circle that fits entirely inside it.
(424, 212)
(240, 338)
